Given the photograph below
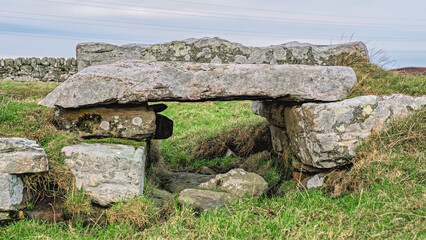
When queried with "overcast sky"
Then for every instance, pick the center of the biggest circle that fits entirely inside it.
(54, 27)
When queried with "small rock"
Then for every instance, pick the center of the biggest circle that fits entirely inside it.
(313, 182)
(161, 197)
(205, 199)
(4, 216)
(230, 153)
(177, 181)
(207, 171)
(238, 182)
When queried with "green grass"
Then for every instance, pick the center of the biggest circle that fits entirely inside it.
(376, 81)
(383, 194)
(26, 90)
(194, 122)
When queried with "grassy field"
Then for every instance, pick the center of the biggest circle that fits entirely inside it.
(382, 196)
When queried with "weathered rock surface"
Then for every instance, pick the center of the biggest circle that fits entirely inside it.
(4, 216)
(11, 192)
(325, 135)
(205, 199)
(313, 182)
(273, 111)
(132, 122)
(161, 197)
(216, 50)
(107, 172)
(21, 155)
(279, 138)
(306, 168)
(177, 181)
(142, 81)
(238, 182)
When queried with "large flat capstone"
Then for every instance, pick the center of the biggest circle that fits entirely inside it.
(107, 172)
(144, 81)
(216, 50)
(325, 135)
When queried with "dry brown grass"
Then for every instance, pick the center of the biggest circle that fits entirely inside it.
(242, 141)
(393, 154)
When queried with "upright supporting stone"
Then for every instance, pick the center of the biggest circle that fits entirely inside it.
(325, 135)
(273, 111)
(107, 172)
(11, 192)
(137, 122)
(279, 138)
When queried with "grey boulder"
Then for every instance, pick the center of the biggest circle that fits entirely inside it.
(144, 81)
(107, 172)
(325, 135)
(238, 182)
(177, 181)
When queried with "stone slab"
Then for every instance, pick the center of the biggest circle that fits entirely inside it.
(325, 135)
(144, 81)
(216, 50)
(21, 155)
(132, 122)
(107, 172)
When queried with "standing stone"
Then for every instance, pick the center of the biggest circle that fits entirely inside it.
(238, 182)
(107, 172)
(325, 135)
(11, 192)
(142, 81)
(21, 155)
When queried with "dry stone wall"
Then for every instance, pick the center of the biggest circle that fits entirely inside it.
(37, 69)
